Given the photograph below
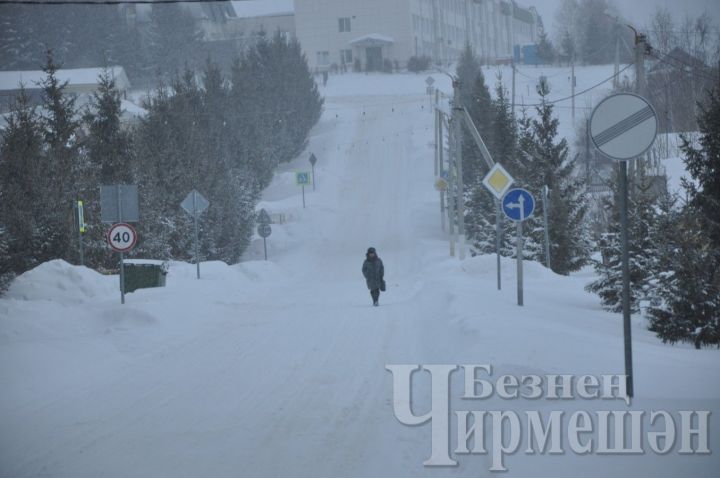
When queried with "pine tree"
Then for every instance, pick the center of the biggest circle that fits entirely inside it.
(689, 292)
(479, 208)
(109, 160)
(642, 220)
(21, 189)
(62, 166)
(546, 162)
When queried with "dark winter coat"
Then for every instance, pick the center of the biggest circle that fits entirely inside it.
(374, 272)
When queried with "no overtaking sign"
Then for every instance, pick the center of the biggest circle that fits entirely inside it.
(623, 126)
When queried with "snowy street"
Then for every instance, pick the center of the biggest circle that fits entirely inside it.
(268, 369)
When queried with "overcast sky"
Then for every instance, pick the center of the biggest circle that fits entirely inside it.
(637, 11)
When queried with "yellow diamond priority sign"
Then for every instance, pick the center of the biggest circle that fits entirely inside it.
(498, 181)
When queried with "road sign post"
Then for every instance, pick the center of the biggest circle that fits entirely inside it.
(264, 229)
(195, 204)
(547, 230)
(302, 179)
(519, 205)
(313, 160)
(81, 231)
(118, 205)
(623, 127)
(122, 238)
(498, 182)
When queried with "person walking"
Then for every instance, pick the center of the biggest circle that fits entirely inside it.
(374, 273)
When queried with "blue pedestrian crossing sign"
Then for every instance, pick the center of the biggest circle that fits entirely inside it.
(303, 178)
(518, 204)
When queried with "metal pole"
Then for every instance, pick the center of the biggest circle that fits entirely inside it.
(313, 175)
(520, 259)
(498, 240)
(616, 71)
(195, 218)
(513, 85)
(442, 210)
(122, 256)
(265, 246)
(451, 192)
(122, 279)
(437, 144)
(572, 87)
(587, 152)
(457, 125)
(547, 229)
(627, 331)
(303, 194)
(439, 148)
(80, 235)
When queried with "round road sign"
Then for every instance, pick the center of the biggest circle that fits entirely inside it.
(518, 204)
(264, 230)
(122, 237)
(623, 126)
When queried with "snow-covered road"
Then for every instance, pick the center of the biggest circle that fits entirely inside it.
(278, 368)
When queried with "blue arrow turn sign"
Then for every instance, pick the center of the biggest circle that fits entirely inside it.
(518, 204)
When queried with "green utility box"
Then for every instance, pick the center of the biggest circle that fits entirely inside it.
(144, 274)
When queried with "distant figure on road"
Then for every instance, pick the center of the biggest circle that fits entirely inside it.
(374, 273)
(325, 77)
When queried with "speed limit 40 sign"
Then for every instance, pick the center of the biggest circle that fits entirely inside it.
(122, 237)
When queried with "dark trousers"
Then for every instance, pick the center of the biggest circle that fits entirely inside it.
(375, 294)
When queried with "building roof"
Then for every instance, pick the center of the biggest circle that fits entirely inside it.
(30, 79)
(263, 8)
(373, 39)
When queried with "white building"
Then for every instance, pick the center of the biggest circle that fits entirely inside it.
(337, 32)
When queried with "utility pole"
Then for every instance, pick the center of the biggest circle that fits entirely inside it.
(616, 71)
(457, 126)
(513, 86)
(440, 147)
(452, 200)
(587, 151)
(572, 87)
(640, 88)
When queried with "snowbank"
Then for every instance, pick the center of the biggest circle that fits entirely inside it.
(58, 281)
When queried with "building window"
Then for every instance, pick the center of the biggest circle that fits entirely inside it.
(346, 56)
(323, 58)
(344, 24)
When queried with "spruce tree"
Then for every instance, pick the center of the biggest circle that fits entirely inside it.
(642, 219)
(546, 162)
(689, 292)
(109, 160)
(62, 166)
(22, 183)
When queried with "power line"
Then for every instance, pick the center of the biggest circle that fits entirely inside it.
(102, 2)
(697, 70)
(576, 94)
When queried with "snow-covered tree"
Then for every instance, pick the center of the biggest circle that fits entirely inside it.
(62, 166)
(642, 219)
(689, 294)
(545, 161)
(108, 159)
(22, 183)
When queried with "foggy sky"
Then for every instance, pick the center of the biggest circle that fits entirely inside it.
(636, 11)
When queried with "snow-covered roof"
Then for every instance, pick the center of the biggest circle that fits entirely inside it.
(263, 8)
(10, 80)
(373, 38)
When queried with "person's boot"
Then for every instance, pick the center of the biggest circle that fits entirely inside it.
(376, 303)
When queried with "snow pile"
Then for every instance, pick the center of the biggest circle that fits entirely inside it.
(58, 281)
